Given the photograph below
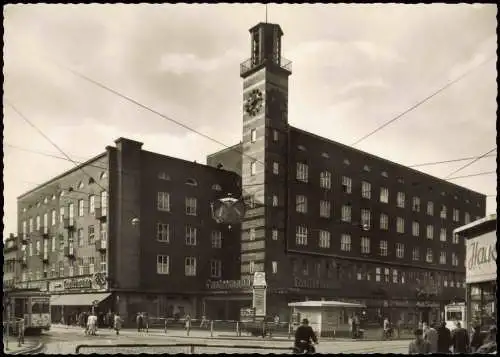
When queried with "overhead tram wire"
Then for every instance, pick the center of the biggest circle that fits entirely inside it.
(56, 146)
(418, 104)
(448, 161)
(473, 175)
(123, 96)
(470, 163)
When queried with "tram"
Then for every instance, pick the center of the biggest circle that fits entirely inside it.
(32, 306)
(453, 313)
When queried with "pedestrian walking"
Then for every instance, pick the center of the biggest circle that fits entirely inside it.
(476, 339)
(419, 345)
(387, 328)
(444, 338)
(138, 321)
(460, 339)
(431, 336)
(187, 324)
(204, 322)
(117, 323)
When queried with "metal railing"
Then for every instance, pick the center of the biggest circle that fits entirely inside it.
(250, 64)
(189, 348)
(13, 328)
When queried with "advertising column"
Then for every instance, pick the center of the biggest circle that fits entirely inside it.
(259, 295)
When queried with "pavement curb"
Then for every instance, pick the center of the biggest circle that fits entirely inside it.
(31, 350)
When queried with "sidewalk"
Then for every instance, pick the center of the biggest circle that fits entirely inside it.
(29, 346)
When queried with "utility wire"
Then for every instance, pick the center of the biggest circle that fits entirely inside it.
(470, 163)
(473, 175)
(448, 161)
(422, 101)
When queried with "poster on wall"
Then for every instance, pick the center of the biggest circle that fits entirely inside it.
(481, 258)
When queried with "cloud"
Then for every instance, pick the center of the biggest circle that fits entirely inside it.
(182, 63)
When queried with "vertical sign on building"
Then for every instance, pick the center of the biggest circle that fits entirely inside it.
(259, 294)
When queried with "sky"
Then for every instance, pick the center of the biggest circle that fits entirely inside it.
(355, 67)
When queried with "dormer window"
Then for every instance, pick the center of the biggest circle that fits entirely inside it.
(346, 162)
(400, 180)
(216, 187)
(301, 148)
(384, 174)
(38, 204)
(91, 181)
(45, 200)
(366, 168)
(325, 155)
(53, 197)
(191, 182)
(62, 194)
(104, 175)
(80, 185)
(163, 176)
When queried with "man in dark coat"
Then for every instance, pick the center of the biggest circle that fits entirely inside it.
(460, 339)
(444, 338)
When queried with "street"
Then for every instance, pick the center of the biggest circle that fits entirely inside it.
(60, 340)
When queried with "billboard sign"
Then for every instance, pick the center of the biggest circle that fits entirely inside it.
(481, 258)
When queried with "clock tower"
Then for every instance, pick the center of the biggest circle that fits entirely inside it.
(264, 157)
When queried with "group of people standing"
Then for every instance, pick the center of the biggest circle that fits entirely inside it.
(142, 321)
(90, 321)
(439, 339)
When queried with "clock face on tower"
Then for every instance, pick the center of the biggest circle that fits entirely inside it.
(254, 102)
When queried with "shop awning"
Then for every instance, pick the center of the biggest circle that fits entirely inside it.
(333, 304)
(77, 299)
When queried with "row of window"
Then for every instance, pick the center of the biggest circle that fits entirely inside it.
(190, 181)
(190, 266)
(82, 266)
(163, 232)
(80, 185)
(27, 227)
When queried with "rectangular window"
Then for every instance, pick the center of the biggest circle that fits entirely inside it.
(386, 275)
(302, 172)
(456, 239)
(251, 234)
(429, 257)
(103, 263)
(384, 195)
(162, 232)
(346, 213)
(301, 203)
(80, 208)
(324, 239)
(24, 229)
(384, 221)
(305, 268)
(324, 209)
(467, 218)
(442, 258)
(91, 235)
(215, 268)
(191, 206)
(91, 265)
(442, 234)
(395, 276)
(377, 274)
(104, 203)
(275, 267)
(400, 225)
(216, 239)
(366, 219)
(275, 135)
(442, 214)
(71, 211)
(275, 234)
(53, 243)
(454, 259)
(190, 235)
(430, 232)
(53, 217)
(38, 247)
(345, 242)
(346, 184)
(251, 267)
(415, 204)
(400, 250)
(276, 168)
(38, 224)
(71, 270)
(401, 200)
(162, 264)
(366, 190)
(45, 222)
(79, 237)
(301, 235)
(164, 201)
(383, 248)
(325, 180)
(415, 229)
(61, 214)
(91, 204)
(430, 208)
(103, 234)
(190, 266)
(365, 245)
(275, 201)
(253, 135)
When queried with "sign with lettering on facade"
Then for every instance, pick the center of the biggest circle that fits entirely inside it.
(228, 284)
(481, 258)
(314, 284)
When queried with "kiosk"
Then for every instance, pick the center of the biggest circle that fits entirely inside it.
(480, 271)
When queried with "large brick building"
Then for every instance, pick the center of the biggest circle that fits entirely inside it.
(322, 220)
